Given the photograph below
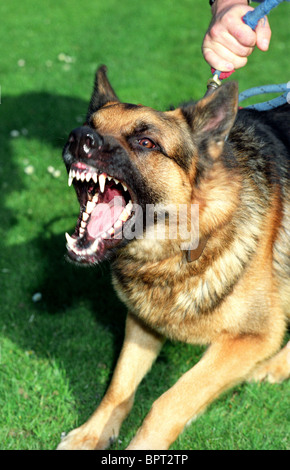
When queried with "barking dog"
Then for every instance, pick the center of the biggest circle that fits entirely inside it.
(221, 282)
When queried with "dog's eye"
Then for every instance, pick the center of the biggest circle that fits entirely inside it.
(147, 143)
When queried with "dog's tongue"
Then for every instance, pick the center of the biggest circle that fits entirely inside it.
(106, 213)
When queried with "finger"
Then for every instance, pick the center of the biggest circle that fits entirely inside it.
(235, 26)
(263, 32)
(222, 60)
(215, 39)
(244, 35)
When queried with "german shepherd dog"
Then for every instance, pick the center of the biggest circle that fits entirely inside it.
(229, 291)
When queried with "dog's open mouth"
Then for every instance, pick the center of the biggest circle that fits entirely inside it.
(106, 205)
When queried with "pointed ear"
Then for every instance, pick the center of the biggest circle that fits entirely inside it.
(102, 92)
(212, 118)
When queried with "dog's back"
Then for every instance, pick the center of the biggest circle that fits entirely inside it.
(270, 132)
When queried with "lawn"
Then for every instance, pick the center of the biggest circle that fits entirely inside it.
(61, 327)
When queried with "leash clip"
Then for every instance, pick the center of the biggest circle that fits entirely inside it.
(214, 82)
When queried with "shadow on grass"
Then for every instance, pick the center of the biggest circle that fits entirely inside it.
(42, 116)
(40, 265)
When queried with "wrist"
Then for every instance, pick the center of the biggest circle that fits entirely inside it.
(218, 5)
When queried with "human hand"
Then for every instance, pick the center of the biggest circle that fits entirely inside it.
(229, 41)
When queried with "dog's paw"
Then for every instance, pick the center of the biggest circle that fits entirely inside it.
(80, 439)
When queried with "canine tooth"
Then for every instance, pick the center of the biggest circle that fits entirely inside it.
(95, 178)
(88, 176)
(70, 241)
(95, 245)
(102, 182)
(90, 207)
(70, 178)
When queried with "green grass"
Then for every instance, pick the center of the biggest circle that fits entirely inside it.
(57, 354)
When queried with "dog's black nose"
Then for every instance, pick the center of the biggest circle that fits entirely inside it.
(83, 141)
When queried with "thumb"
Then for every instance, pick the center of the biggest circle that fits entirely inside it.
(263, 32)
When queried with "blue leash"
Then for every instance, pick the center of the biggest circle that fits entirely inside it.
(283, 88)
(251, 19)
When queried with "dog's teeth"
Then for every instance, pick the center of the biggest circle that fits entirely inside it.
(95, 178)
(129, 206)
(70, 178)
(85, 216)
(109, 178)
(124, 216)
(81, 231)
(118, 224)
(95, 198)
(116, 181)
(126, 212)
(93, 248)
(74, 174)
(70, 241)
(95, 245)
(88, 176)
(83, 176)
(125, 187)
(78, 175)
(102, 182)
(90, 207)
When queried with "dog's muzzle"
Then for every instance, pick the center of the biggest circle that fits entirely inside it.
(83, 141)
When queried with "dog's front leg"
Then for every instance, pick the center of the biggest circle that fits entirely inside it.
(140, 348)
(226, 362)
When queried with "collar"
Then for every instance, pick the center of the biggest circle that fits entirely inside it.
(193, 255)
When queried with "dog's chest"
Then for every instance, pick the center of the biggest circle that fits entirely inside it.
(175, 306)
